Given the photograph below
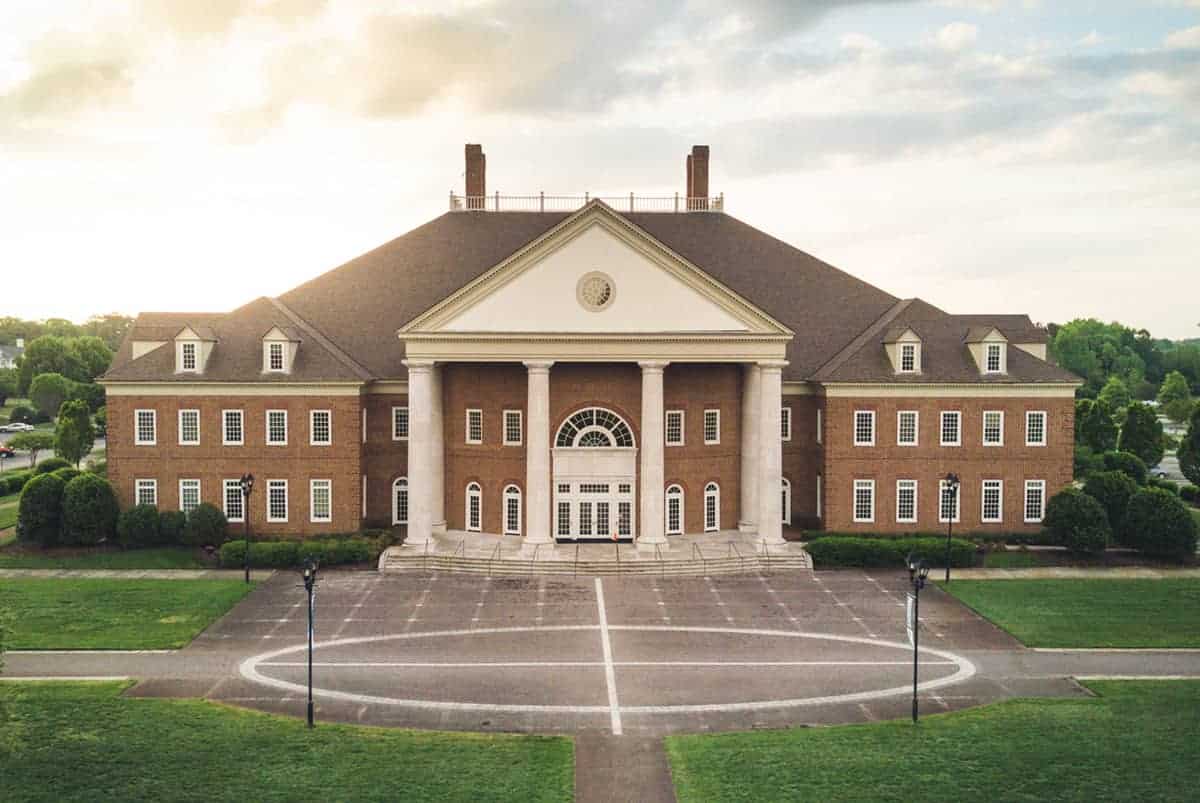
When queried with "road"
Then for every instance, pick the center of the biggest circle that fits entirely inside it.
(22, 458)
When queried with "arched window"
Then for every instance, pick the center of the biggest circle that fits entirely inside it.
(712, 507)
(400, 501)
(594, 427)
(787, 501)
(474, 507)
(674, 510)
(512, 510)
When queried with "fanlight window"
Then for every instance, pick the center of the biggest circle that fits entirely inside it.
(594, 427)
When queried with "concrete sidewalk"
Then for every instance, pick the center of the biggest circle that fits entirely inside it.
(1070, 572)
(142, 574)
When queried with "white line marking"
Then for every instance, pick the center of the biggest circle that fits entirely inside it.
(610, 676)
(493, 664)
(66, 678)
(1136, 677)
(91, 652)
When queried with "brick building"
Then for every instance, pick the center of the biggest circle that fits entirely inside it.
(597, 370)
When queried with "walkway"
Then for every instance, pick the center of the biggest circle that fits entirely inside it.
(1072, 572)
(143, 574)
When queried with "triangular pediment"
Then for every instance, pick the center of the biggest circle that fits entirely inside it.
(595, 273)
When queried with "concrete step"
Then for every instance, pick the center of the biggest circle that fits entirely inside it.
(398, 561)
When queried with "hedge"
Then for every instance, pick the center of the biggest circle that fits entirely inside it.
(1159, 524)
(66, 473)
(206, 526)
(1113, 490)
(887, 553)
(1190, 494)
(289, 554)
(13, 482)
(171, 525)
(138, 526)
(39, 513)
(1035, 538)
(1127, 463)
(1166, 485)
(51, 464)
(90, 510)
(1079, 521)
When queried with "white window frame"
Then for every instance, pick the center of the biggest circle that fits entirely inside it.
(1041, 486)
(236, 486)
(820, 501)
(785, 423)
(1045, 427)
(520, 427)
(786, 500)
(916, 497)
(983, 488)
(987, 354)
(268, 367)
(397, 484)
(183, 442)
(512, 492)
(715, 414)
(865, 485)
(712, 491)
(871, 414)
(916, 441)
(283, 442)
(476, 411)
(474, 491)
(313, 485)
(183, 357)
(983, 428)
(667, 427)
(820, 425)
(138, 485)
(396, 436)
(272, 484)
(241, 415)
(364, 425)
(673, 490)
(138, 440)
(916, 358)
(312, 428)
(957, 503)
(189, 483)
(942, 427)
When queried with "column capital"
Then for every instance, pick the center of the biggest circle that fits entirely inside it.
(773, 366)
(418, 366)
(538, 366)
(652, 366)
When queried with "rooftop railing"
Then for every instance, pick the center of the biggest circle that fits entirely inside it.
(569, 203)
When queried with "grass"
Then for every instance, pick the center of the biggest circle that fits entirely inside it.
(83, 741)
(111, 614)
(153, 558)
(1091, 612)
(8, 511)
(1011, 560)
(1133, 742)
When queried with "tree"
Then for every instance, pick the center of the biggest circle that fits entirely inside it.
(32, 442)
(1113, 490)
(1175, 397)
(74, 434)
(1097, 351)
(48, 392)
(110, 328)
(43, 355)
(1094, 427)
(90, 511)
(39, 511)
(1115, 394)
(8, 384)
(1142, 434)
(1189, 449)
(90, 355)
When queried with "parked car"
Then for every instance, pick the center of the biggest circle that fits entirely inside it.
(1159, 474)
(7, 452)
(17, 427)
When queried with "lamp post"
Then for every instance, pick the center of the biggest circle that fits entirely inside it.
(917, 573)
(247, 483)
(310, 585)
(952, 484)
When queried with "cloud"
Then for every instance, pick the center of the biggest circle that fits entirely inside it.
(956, 36)
(1092, 39)
(1186, 39)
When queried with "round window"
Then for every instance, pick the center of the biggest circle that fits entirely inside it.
(595, 291)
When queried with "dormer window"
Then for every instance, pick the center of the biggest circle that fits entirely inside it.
(193, 345)
(188, 357)
(995, 358)
(275, 357)
(908, 358)
(903, 347)
(279, 350)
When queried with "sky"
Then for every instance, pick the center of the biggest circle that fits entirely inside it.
(985, 155)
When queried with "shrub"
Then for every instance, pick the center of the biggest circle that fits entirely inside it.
(1113, 490)
(206, 526)
(1166, 485)
(1159, 524)
(67, 474)
(99, 467)
(22, 414)
(90, 510)
(13, 483)
(291, 554)
(39, 513)
(171, 526)
(1141, 433)
(1127, 463)
(1087, 461)
(1190, 494)
(51, 464)
(888, 553)
(138, 526)
(1078, 521)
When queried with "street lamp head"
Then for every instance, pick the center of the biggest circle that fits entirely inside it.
(952, 481)
(923, 571)
(247, 482)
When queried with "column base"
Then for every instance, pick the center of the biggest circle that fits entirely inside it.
(771, 540)
(747, 527)
(439, 527)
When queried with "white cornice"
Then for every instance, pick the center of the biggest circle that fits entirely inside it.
(113, 388)
(1063, 390)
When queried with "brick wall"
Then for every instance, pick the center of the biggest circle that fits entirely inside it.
(384, 459)
(802, 458)
(694, 389)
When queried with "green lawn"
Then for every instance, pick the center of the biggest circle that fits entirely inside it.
(1134, 742)
(1091, 612)
(1011, 560)
(8, 511)
(76, 613)
(167, 557)
(82, 741)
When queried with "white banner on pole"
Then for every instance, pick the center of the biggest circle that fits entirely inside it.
(910, 623)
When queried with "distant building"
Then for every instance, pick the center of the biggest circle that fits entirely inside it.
(9, 354)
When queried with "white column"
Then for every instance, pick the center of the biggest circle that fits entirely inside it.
(537, 455)
(420, 452)
(438, 453)
(770, 453)
(651, 488)
(751, 391)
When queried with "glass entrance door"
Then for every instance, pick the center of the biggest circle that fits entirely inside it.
(593, 510)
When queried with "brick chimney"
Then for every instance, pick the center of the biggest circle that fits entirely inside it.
(476, 177)
(697, 177)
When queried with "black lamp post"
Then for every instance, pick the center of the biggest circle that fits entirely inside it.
(952, 484)
(247, 483)
(310, 585)
(917, 573)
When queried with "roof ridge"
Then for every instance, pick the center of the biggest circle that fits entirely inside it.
(320, 337)
(856, 345)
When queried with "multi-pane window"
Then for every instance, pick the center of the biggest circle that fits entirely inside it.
(785, 423)
(399, 423)
(564, 519)
(864, 500)
(320, 427)
(189, 427)
(993, 504)
(512, 428)
(277, 427)
(674, 427)
(275, 356)
(474, 507)
(400, 501)
(712, 507)
(146, 492)
(512, 510)
(277, 500)
(1035, 428)
(908, 358)
(474, 426)
(993, 428)
(674, 510)
(235, 507)
(232, 431)
(1035, 501)
(188, 356)
(189, 495)
(906, 428)
(864, 427)
(906, 501)
(948, 502)
(712, 427)
(995, 358)
(320, 500)
(951, 428)
(145, 427)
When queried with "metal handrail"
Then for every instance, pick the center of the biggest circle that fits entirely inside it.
(569, 203)
(425, 558)
(767, 553)
(493, 556)
(462, 547)
(617, 549)
(696, 550)
(658, 557)
(734, 551)
(533, 559)
(575, 571)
